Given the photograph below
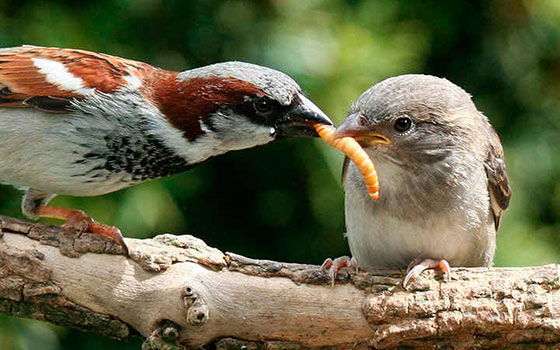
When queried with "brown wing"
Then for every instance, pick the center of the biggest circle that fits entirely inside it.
(498, 183)
(48, 78)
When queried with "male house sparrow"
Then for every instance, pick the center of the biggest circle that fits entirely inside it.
(443, 182)
(80, 123)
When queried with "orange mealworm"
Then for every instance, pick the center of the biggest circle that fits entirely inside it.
(356, 153)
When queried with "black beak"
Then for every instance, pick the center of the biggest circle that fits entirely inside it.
(299, 119)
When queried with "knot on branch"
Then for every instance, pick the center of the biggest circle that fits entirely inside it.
(197, 310)
(164, 337)
(267, 305)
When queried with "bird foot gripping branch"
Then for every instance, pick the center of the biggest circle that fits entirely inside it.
(79, 221)
(417, 266)
(334, 266)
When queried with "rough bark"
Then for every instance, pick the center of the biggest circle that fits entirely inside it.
(179, 293)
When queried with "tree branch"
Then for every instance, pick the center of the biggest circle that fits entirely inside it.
(175, 290)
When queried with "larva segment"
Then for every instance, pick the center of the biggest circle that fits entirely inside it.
(356, 153)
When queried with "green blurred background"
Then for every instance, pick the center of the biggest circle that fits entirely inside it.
(283, 201)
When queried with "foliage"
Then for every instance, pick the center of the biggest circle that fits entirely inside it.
(283, 201)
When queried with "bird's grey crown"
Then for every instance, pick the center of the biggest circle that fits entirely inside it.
(434, 199)
(275, 84)
(407, 92)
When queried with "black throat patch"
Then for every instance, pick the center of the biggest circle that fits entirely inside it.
(138, 157)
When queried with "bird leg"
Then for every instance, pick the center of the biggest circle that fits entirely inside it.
(337, 264)
(79, 221)
(417, 266)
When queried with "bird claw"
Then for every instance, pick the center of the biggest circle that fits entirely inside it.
(333, 266)
(417, 266)
(110, 232)
(78, 220)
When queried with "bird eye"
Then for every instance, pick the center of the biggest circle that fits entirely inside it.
(263, 105)
(403, 124)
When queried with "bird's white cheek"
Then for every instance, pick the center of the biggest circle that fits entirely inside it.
(231, 132)
(248, 136)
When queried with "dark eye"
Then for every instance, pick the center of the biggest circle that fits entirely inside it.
(263, 105)
(403, 124)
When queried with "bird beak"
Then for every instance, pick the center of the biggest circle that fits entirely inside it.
(299, 119)
(352, 127)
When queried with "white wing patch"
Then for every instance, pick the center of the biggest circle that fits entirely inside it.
(57, 74)
(133, 83)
